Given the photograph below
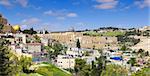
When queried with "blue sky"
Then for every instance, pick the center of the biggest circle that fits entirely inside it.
(59, 15)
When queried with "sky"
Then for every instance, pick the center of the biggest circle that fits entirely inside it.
(61, 15)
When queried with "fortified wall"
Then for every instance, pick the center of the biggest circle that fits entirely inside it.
(70, 39)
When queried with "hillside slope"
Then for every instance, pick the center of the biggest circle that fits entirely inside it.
(143, 44)
(50, 70)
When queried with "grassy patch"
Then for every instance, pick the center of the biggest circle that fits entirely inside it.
(51, 70)
(113, 33)
(143, 72)
(32, 74)
(110, 33)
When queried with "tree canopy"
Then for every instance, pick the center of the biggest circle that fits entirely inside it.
(115, 70)
(29, 31)
(78, 44)
(8, 62)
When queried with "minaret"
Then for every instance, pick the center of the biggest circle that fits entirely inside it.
(43, 31)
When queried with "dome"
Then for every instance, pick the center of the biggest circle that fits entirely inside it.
(16, 27)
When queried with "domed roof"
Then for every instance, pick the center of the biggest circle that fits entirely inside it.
(16, 27)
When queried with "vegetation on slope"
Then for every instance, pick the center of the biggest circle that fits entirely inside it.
(50, 70)
(143, 72)
(128, 41)
(114, 70)
(8, 62)
(109, 33)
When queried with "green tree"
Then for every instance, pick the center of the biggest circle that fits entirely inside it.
(140, 51)
(79, 64)
(57, 48)
(54, 50)
(132, 61)
(86, 53)
(50, 51)
(123, 48)
(78, 44)
(29, 31)
(147, 53)
(37, 39)
(142, 72)
(8, 65)
(46, 32)
(127, 40)
(98, 66)
(114, 70)
(85, 71)
(1, 27)
(25, 63)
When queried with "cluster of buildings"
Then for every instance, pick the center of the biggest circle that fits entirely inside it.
(124, 58)
(23, 44)
(27, 45)
(68, 60)
(117, 57)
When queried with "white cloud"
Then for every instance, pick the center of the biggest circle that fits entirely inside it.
(31, 21)
(71, 15)
(22, 15)
(142, 4)
(50, 13)
(105, 0)
(23, 3)
(61, 18)
(9, 3)
(5, 3)
(106, 4)
(60, 14)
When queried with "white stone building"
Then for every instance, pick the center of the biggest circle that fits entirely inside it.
(65, 62)
(34, 47)
(20, 38)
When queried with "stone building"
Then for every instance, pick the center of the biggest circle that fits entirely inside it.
(65, 62)
(34, 47)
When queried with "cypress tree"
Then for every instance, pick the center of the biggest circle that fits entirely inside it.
(78, 44)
